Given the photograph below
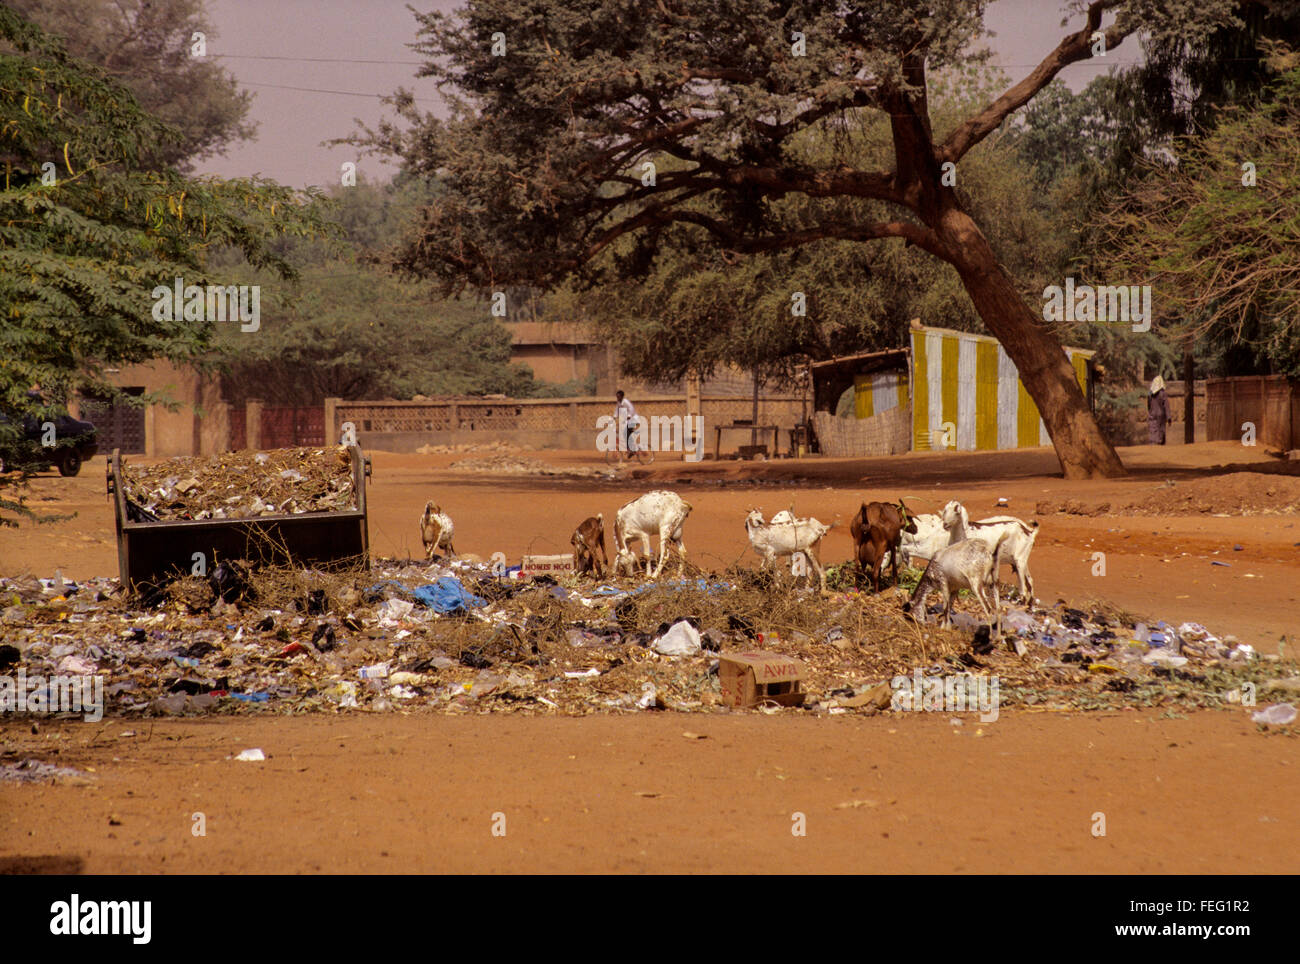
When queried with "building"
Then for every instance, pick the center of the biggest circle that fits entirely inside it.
(198, 424)
(560, 352)
(947, 390)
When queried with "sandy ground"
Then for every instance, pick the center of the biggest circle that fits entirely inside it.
(420, 794)
(413, 794)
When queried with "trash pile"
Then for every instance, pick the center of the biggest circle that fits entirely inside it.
(240, 485)
(523, 465)
(459, 637)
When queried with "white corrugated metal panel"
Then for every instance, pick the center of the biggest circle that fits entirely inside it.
(966, 394)
(1008, 400)
(934, 355)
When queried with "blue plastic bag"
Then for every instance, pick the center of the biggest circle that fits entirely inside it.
(447, 595)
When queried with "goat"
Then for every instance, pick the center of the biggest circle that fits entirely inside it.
(586, 540)
(1019, 544)
(776, 539)
(930, 536)
(660, 513)
(891, 520)
(436, 530)
(971, 564)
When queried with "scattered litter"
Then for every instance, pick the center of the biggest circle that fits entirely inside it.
(682, 639)
(453, 637)
(34, 771)
(1278, 714)
(254, 755)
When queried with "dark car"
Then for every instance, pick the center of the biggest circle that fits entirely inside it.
(74, 440)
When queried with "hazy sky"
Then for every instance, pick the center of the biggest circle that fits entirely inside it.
(316, 65)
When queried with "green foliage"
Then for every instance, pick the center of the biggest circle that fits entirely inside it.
(1225, 257)
(354, 331)
(146, 46)
(690, 306)
(80, 257)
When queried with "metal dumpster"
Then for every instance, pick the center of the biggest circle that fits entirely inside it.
(151, 553)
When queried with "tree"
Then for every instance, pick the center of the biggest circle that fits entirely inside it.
(696, 307)
(1089, 151)
(1220, 240)
(558, 105)
(354, 331)
(86, 234)
(148, 46)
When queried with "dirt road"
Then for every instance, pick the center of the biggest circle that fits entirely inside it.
(377, 793)
(422, 794)
(1155, 565)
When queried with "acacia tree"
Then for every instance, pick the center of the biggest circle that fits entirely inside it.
(147, 46)
(557, 105)
(86, 232)
(698, 307)
(1223, 243)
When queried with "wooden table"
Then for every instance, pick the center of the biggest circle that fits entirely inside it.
(757, 430)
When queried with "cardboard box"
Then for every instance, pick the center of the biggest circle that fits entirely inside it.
(760, 677)
(546, 565)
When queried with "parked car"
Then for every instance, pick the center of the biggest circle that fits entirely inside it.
(75, 440)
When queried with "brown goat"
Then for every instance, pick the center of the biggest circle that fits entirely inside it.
(586, 540)
(876, 529)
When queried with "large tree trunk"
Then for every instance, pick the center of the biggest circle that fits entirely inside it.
(1044, 368)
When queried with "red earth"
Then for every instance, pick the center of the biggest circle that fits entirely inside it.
(1207, 792)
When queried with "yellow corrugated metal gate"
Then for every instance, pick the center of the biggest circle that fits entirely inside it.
(879, 392)
(967, 393)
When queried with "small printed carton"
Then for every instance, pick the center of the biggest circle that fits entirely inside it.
(760, 677)
(546, 565)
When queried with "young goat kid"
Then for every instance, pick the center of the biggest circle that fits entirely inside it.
(436, 530)
(973, 565)
(1019, 544)
(784, 536)
(587, 540)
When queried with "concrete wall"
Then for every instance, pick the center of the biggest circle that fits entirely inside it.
(538, 424)
(200, 423)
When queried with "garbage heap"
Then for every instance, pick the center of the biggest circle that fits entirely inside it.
(241, 485)
(458, 638)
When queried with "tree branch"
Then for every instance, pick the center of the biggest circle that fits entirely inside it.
(916, 234)
(1073, 48)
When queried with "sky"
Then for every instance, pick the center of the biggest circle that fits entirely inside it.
(316, 66)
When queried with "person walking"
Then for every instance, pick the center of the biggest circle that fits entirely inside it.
(625, 417)
(1157, 412)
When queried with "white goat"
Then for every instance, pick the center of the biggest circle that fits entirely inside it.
(971, 564)
(930, 536)
(1020, 541)
(784, 536)
(436, 530)
(659, 513)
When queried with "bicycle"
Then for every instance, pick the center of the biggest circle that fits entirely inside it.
(624, 452)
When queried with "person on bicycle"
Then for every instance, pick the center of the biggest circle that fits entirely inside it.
(625, 415)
